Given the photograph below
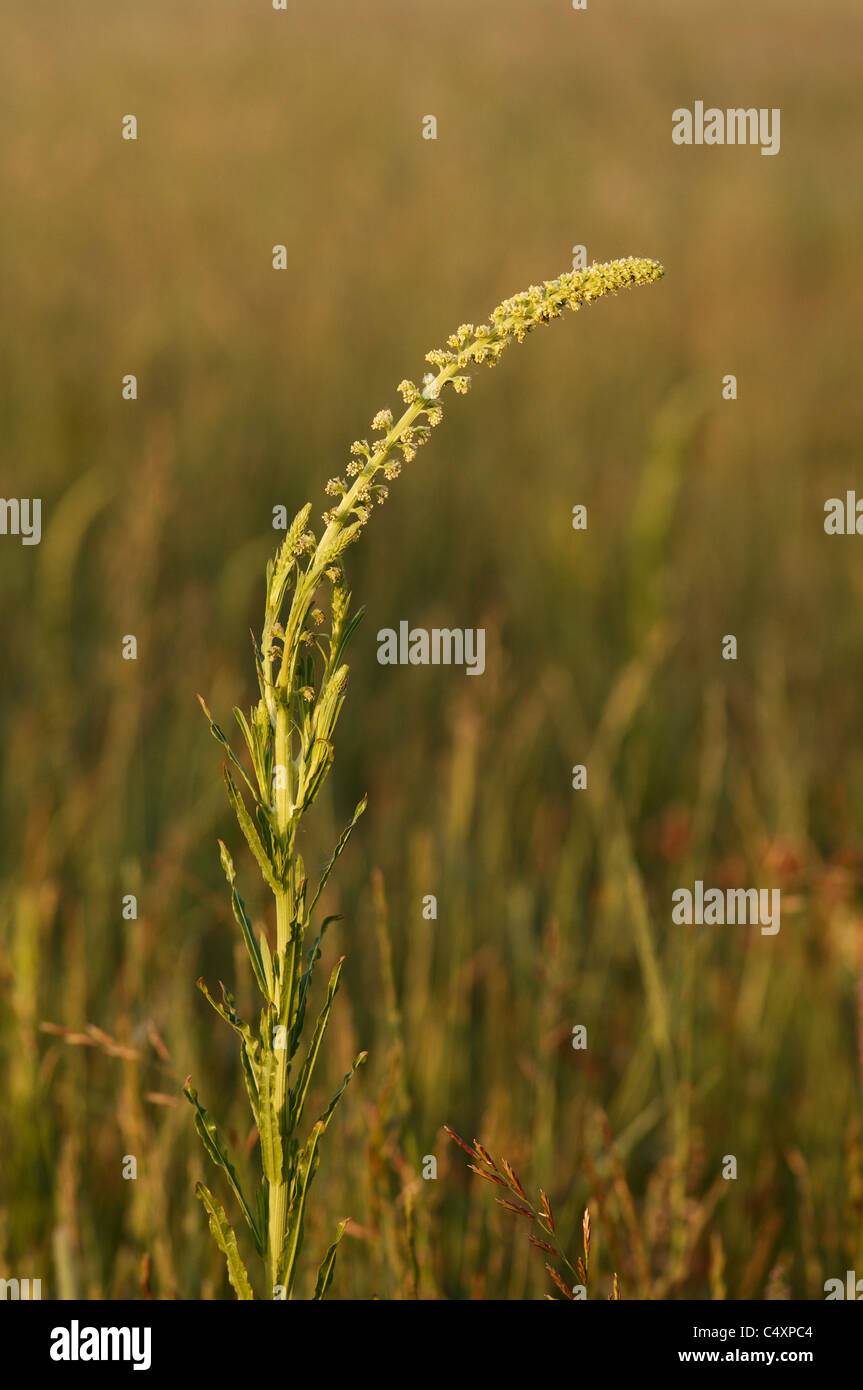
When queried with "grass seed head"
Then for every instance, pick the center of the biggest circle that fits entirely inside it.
(513, 1179)
(515, 1208)
(485, 1155)
(553, 1274)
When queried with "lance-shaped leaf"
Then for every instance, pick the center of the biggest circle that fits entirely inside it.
(307, 1164)
(314, 956)
(241, 917)
(343, 840)
(267, 963)
(217, 1150)
(221, 738)
(261, 1192)
(300, 1091)
(329, 703)
(342, 638)
(328, 1264)
(313, 774)
(249, 1051)
(306, 1168)
(300, 895)
(358, 1061)
(253, 839)
(257, 750)
(226, 1240)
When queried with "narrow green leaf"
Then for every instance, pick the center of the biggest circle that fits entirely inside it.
(256, 752)
(221, 738)
(251, 1077)
(218, 1153)
(261, 1208)
(307, 1165)
(314, 773)
(329, 703)
(241, 917)
(345, 637)
(327, 1115)
(314, 956)
(267, 963)
(227, 1242)
(305, 1075)
(249, 1049)
(328, 1264)
(228, 1012)
(343, 840)
(253, 839)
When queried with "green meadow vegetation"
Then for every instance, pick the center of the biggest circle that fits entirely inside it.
(603, 646)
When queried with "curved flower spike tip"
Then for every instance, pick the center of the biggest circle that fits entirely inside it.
(510, 322)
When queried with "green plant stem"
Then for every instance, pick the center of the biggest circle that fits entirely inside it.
(287, 929)
(285, 938)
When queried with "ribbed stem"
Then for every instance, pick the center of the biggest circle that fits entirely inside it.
(278, 1196)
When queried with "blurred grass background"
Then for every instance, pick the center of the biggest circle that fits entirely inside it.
(705, 518)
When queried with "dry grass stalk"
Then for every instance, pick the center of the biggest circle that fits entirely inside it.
(541, 1216)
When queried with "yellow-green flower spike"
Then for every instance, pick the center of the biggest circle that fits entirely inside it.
(510, 322)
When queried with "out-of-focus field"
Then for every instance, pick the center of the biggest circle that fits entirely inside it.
(705, 518)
